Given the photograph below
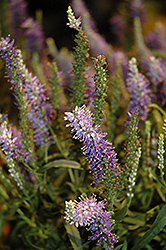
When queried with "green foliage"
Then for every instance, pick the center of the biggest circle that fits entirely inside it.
(32, 215)
(76, 240)
(157, 226)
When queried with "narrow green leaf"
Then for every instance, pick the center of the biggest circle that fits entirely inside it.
(118, 247)
(26, 219)
(74, 237)
(149, 247)
(2, 220)
(162, 195)
(133, 227)
(31, 244)
(124, 245)
(121, 214)
(164, 248)
(154, 105)
(157, 226)
(3, 193)
(61, 163)
(17, 227)
(135, 221)
(155, 177)
(29, 222)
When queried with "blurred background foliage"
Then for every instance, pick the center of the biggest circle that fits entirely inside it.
(55, 19)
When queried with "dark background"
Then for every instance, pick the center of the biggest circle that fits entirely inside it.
(55, 17)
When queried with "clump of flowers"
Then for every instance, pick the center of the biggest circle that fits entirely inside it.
(91, 214)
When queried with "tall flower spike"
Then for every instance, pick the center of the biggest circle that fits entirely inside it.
(91, 214)
(14, 67)
(100, 93)
(160, 155)
(138, 86)
(97, 43)
(99, 152)
(132, 152)
(34, 36)
(78, 86)
(39, 112)
(143, 52)
(152, 67)
(30, 95)
(117, 27)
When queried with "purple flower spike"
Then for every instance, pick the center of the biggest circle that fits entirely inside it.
(157, 39)
(137, 85)
(117, 27)
(157, 76)
(99, 152)
(98, 44)
(92, 215)
(18, 15)
(34, 36)
(38, 111)
(137, 9)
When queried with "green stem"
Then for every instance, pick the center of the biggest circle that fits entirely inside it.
(153, 105)
(56, 140)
